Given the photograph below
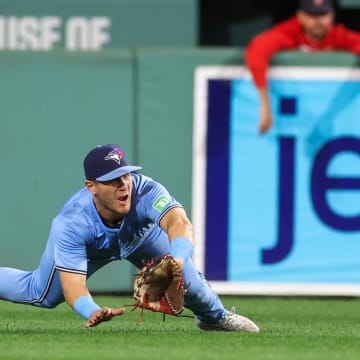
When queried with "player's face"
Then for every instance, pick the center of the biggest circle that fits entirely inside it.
(112, 198)
(316, 26)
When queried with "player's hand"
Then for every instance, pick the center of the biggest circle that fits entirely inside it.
(265, 122)
(103, 314)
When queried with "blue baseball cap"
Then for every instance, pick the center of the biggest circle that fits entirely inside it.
(107, 162)
(316, 6)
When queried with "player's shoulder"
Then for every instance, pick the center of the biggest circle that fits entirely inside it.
(76, 207)
(288, 28)
(142, 183)
(146, 190)
(340, 28)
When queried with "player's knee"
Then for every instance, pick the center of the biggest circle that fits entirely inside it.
(199, 292)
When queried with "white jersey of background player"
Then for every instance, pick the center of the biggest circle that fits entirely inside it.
(118, 215)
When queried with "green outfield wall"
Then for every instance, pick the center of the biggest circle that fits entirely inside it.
(56, 105)
(54, 108)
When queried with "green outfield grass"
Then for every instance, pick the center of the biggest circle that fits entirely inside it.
(290, 329)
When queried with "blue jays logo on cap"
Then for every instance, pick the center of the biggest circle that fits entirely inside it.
(98, 167)
(115, 155)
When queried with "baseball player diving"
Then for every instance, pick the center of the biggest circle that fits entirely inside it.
(119, 215)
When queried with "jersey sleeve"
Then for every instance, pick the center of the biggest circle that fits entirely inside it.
(70, 246)
(156, 201)
(346, 39)
(260, 50)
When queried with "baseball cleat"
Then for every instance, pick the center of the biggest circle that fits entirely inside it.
(231, 322)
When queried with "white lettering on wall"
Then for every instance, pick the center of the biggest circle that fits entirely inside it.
(87, 34)
(50, 32)
(45, 33)
(99, 34)
(29, 30)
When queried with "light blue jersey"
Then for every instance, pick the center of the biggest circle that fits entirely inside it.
(80, 237)
(80, 242)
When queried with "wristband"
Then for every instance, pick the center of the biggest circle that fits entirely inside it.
(85, 306)
(181, 248)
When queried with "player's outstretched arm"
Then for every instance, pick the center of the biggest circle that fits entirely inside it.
(180, 232)
(78, 297)
(265, 121)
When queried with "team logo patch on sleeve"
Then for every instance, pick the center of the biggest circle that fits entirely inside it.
(160, 203)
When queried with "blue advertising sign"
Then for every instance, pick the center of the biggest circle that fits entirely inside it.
(280, 212)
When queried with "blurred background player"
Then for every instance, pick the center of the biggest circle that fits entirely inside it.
(119, 214)
(311, 29)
